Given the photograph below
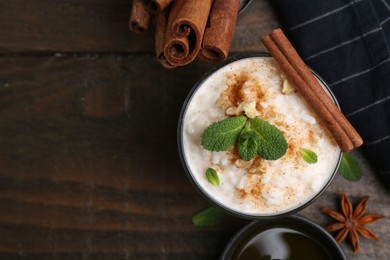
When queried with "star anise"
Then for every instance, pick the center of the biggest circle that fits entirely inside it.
(351, 222)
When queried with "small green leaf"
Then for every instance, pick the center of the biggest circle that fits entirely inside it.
(271, 145)
(221, 135)
(350, 168)
(208, 217)
(247, 143)
(308, 155)
(212, 176)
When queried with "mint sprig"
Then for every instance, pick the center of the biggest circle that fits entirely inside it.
(208, 217)
(350, 168)
(212, 176)
(258, 137)
(272, 144)
(248, 143)
(221, 135)
(308, 155)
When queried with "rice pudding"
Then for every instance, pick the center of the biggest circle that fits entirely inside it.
(257, 88)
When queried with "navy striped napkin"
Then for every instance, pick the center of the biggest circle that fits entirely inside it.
(348, 43)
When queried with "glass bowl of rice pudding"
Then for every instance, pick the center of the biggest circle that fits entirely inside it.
(256, 188)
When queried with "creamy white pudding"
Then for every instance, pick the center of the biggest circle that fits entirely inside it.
(256, 87)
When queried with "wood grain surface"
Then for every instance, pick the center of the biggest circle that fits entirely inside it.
(89, 167)
(46, 26)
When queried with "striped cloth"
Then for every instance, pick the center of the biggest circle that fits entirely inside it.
(348, 43)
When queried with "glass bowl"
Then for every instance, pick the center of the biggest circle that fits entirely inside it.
(215, 201)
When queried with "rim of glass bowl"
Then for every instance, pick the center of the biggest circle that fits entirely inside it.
(243, 6)
(304, 225)
(200, 188)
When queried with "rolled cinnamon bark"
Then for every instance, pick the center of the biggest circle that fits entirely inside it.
(293, 57)
(161, 25)
(156, 6)
(139, 17)
(220, 30)
(308, 94)
(177, 49)
(187, 22)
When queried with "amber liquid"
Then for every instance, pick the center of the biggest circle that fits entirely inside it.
(280, 243)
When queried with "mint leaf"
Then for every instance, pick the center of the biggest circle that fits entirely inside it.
(272, 145)
(221, 135)
(212, 176)
(308, 155)
(350, 168)
(208, 217)
(247, 143)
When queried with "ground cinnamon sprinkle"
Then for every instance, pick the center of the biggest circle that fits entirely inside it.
(242, 193)
(233, 92)
(291, 151)
(256, 191)
(237, 90)
(311, 137)
(258, 107)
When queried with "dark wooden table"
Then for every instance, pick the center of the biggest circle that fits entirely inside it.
(89, 167)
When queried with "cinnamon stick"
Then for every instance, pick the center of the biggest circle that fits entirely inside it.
(176, 49)
(139, 17)
(161, 25)
(156, 6)
(220, 30)
(187, 21)
(293, 57)
(308, 94)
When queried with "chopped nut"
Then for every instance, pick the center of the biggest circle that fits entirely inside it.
(242, 163)
(288, 87)
(223, 102)
(258, 166)
(231, 111)
(217, 167)
(249, 108)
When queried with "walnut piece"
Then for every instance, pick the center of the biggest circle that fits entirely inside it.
(288, 87)
(247, 108)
